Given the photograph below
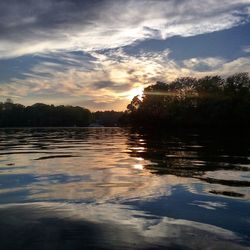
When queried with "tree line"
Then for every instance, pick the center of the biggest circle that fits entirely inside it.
(43, 115)
(186, 102)
(211, 101)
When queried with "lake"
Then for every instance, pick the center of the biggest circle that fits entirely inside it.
(115, 188)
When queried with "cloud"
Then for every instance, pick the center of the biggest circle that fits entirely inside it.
(104, 79)
(71, 51)
(246, 49)
(30, 27)
(115, 226)
(241, 64)
(204, 64)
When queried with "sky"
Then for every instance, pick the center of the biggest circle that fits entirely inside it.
(98, 54)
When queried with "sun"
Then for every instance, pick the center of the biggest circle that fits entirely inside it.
(135, 92)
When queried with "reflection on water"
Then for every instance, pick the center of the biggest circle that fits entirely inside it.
(112, 188)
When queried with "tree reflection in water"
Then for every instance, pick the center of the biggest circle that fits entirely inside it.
(211, 158)
(114, 188)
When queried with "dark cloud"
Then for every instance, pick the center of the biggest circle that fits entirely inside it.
(76, 48)
(103, 84)
(112, 86)
(37, 26)
(35, 17)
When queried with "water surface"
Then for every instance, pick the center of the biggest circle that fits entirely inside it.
(114, 188)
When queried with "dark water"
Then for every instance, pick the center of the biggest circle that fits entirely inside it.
(112, 188)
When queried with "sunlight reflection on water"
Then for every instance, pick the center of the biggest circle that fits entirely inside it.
(149, 190)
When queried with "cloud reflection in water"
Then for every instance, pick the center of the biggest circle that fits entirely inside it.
(103, 226)
(125, 189)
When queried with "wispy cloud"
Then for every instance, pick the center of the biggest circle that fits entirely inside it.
(30, 26)
(246, 49)
(106, 79)
(79, 47)
(204, 64)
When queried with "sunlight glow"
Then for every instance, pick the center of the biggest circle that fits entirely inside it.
(135, 92)
(138, 166)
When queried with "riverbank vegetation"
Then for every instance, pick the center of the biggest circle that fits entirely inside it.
(189, 102)
(42, 115)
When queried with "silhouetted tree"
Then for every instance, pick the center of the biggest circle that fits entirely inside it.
(190, 102)
(40, 115)
(107, 118)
